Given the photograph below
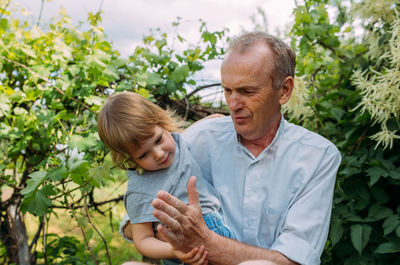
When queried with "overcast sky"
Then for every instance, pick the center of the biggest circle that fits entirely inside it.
(125, 22)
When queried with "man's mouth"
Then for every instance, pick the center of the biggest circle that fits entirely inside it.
(239, 118)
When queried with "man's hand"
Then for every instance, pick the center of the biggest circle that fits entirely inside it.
(184, 227)
(197, 256)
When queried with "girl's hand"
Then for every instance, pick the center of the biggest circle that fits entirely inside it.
(197, 256)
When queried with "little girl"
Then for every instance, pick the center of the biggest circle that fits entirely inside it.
(143, 138)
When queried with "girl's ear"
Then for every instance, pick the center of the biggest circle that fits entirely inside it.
(286, 90)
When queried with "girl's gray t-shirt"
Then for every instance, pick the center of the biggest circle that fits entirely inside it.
(143, 188)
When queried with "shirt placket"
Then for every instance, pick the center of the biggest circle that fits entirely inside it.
(251, 203)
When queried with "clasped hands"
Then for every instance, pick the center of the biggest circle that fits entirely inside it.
(183, 225)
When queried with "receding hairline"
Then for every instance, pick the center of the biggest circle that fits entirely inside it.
(284, 57)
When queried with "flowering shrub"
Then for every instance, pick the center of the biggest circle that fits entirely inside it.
(353, 89)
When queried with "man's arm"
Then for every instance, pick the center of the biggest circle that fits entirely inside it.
(185, 229)
(306, 225)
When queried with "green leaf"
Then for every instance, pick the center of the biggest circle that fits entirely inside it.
(36, 178)
(79, 166)
(20, 111)
(378, 171)
(388, 247)
(375, 173)
(209, 37)
(380, 195)
(180, 74)
(143, 92)
(374, 179)
(148, 79)
(100, 173)
(360, 236)
(82, 143)
(28, 51)
(4, 105)
(58, 174)
(80, 172)
(349, 171)
(378, 212)
(94, 100)
(336, 231)
(39, 203)
(390, 224)
(337, 113)
(111, 73)
(356, 260)
(398, 231)
(395, 174)
(57, 105)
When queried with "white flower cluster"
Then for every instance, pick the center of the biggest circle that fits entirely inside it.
(381, 91)
(376, 12)
(296, 106)
(375, 9)
(69, 156)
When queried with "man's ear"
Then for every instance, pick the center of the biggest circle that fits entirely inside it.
(286, 90)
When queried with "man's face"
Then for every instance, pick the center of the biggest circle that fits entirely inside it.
(157, 152)
(253, 103)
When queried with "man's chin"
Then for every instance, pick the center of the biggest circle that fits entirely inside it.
(243, 132)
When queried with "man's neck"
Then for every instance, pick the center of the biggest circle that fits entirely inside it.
(258, 145)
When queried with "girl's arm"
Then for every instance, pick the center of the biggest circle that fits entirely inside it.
(148, 245)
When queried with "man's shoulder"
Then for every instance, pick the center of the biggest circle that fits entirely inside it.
(307, 138)
(213, 125)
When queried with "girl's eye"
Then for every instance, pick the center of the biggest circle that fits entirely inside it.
(142, 156)
(159, 139)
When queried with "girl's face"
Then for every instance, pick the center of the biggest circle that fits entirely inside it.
(157, 152)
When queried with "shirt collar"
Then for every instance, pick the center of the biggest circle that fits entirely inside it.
(271, 147)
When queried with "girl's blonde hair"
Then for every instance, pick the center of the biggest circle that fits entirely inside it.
(128, 119)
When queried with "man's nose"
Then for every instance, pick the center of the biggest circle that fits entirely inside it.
(235, 102)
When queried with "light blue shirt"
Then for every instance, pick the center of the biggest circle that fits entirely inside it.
(280, 200)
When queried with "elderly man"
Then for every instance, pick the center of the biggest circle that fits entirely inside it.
(275, 179)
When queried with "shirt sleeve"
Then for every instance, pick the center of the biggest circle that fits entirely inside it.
(123, 223)
(139, 210)
(306, 225)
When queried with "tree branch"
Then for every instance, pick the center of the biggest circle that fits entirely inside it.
(98, 232)
(44, 241)
(37, 235)
(87, 245)
(93, 204)
(201, 88)
(11, 185)
(40, 13)
(5, 8)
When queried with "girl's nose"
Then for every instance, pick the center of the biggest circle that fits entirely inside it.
(158, 154)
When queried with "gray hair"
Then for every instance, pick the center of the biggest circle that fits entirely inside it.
(284, 56)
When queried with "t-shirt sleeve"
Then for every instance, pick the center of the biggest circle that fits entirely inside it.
(138, 207)
(123, 223)
(306, 226)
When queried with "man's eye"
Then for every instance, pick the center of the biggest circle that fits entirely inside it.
(247, 92)
(227, 90)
